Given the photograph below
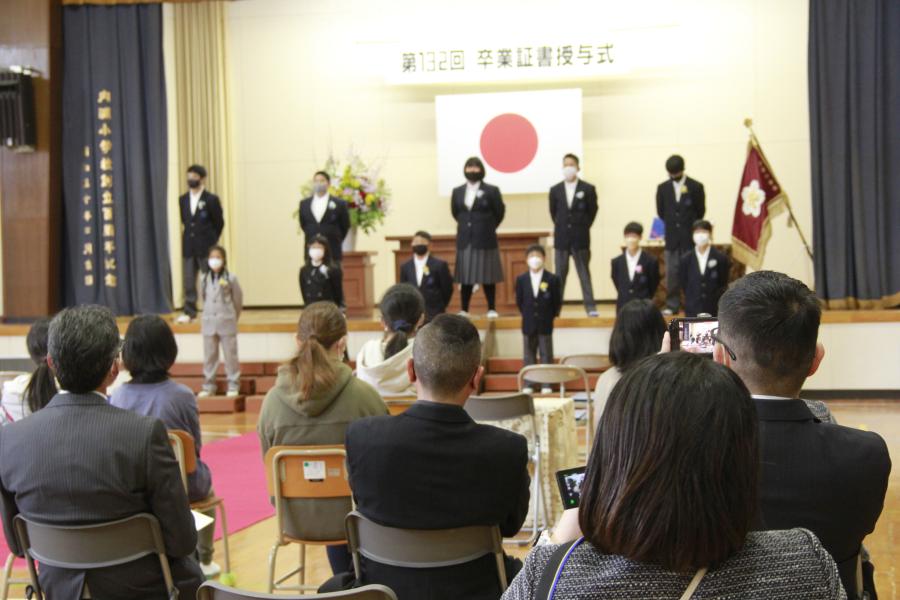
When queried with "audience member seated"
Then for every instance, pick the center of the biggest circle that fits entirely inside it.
(28, 393)
(668, 500)
(314, 399)
(382, 363)
(637, 333)
(148, 354)
(434, 468)
(81, 461)
(829, 479)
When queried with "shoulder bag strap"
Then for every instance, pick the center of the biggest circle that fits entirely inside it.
(553, 569)
(695, 583)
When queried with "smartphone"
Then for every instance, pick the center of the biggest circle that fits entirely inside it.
(569, 481)
(694, 334)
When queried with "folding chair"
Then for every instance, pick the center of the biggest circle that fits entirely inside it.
(216, 591)
(561, 374)
(286, 480)
(515, 406)
(596, 363)
(423, 549)
(84, 547)
(8, 580)
(397, 405)
(186, 453)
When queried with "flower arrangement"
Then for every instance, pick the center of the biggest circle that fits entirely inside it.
(366, 194)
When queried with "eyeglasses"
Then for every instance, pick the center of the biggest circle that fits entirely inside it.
(718, 340)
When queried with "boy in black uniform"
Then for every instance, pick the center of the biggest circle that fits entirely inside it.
(703, 273)
(429, 274)
(539, 298)
(635, 273)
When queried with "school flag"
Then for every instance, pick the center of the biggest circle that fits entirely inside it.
(760, 198)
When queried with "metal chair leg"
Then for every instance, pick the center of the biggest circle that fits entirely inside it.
(225, 537)
(273, 555)
(302, 566)
(7, 574)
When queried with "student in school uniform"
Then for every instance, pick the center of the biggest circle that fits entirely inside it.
(635, 273)
(324, 214)
(320, 278)
(223, 301)
(478, 210)
(539, 298)
(429, 274)
(703, 272)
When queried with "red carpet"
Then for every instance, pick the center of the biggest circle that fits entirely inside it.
(238, 478)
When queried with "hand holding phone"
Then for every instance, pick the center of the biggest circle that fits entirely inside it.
(569, 481)
(694, 334)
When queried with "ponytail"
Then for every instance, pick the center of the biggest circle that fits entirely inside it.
(399, 338)
(321, 326)
(402, 307)
(40, 389)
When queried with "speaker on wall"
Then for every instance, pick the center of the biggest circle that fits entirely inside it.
(17, 126)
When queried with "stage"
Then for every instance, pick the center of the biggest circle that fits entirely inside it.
(862, 347)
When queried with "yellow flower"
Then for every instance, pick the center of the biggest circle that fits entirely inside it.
(544, 286)
(370, 199)
(426, 270)
(684, 189)
(223, 282)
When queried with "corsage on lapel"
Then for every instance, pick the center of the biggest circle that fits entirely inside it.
(639, 268)
(579, 194)
(332, 205)
(684, 189)
(323, 270)
(223, 282)
(544, 286)
(426, 271)
(201, 205)
(479, 193)
(711, 263)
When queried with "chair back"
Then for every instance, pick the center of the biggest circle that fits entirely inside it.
(397, 405)
(82, 547)
(213, 590)
(498, 408)
(588, 362)
(182, 444)
(561, 374)
(423, 549)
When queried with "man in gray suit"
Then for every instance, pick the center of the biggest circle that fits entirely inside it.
(80, 461)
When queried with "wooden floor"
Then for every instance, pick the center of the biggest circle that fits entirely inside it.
(250, 547)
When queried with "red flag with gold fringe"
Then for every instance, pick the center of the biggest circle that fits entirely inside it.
(759, 198)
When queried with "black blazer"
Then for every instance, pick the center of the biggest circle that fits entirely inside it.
(80, 461)
(572, 226)
(538, 312)
(829, 479)
(680, 216)
(334, 225)
(477, 227)
(454, 473)
(437, 284)
(316, 286)
(200, 231)
(644, 284)
(702, 292)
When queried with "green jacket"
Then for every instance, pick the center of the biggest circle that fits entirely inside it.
(285, 420)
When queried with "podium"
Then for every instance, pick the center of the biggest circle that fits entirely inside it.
(658, 251)
(359, 291)
(512, 256)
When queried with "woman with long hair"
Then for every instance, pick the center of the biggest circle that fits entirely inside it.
(28, 393)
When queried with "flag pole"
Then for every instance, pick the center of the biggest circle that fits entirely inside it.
(792, 221)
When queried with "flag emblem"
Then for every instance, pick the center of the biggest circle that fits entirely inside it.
(753, 197)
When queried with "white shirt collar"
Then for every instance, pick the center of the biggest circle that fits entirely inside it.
(536, 278)
(421, 260)
(473, 185)
(765, 397)
(702, 257)
(632, 262)
(95, 392)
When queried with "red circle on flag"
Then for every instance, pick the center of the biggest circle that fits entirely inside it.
(509, 142)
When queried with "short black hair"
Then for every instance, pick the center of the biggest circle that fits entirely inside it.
(83, 342)
(535, 248)
(637, 333)
(678, 441)
(199, 170)
(474, 161)
(149, 350)
(323, 174)
(771, 322)
(674, 164)
(634, 227)
(447, 353)
(701, 224)
(573, 157)
(423, 234)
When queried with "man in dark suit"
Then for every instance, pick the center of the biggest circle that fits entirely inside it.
(635, 273)
(814, 474)
(703, 272)
(539, 298)
(429, 274)
(573, 208)
(433, 467)
(325, 214)
(80, 461)
(679, 202)
(201, 225)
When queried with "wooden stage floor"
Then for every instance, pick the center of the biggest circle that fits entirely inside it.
(250, 547)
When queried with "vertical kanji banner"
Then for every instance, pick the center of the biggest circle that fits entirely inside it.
(115, 235)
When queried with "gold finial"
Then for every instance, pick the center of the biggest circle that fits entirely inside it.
(748, 122)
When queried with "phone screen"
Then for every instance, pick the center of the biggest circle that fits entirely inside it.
(694, 335)
(570, 481)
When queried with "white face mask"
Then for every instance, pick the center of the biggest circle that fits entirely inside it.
(631, 242)
(215, 263)
(701, 238)
(535, 262)
(316, 254)
(570, 172)
(320, 188)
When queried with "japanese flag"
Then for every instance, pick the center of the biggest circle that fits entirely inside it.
(520, 136)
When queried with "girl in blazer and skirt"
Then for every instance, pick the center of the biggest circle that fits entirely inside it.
(320, 278)
(223, 301)
(478, 209)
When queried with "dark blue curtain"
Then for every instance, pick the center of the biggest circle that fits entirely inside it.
(854, 108)
(115, 233)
